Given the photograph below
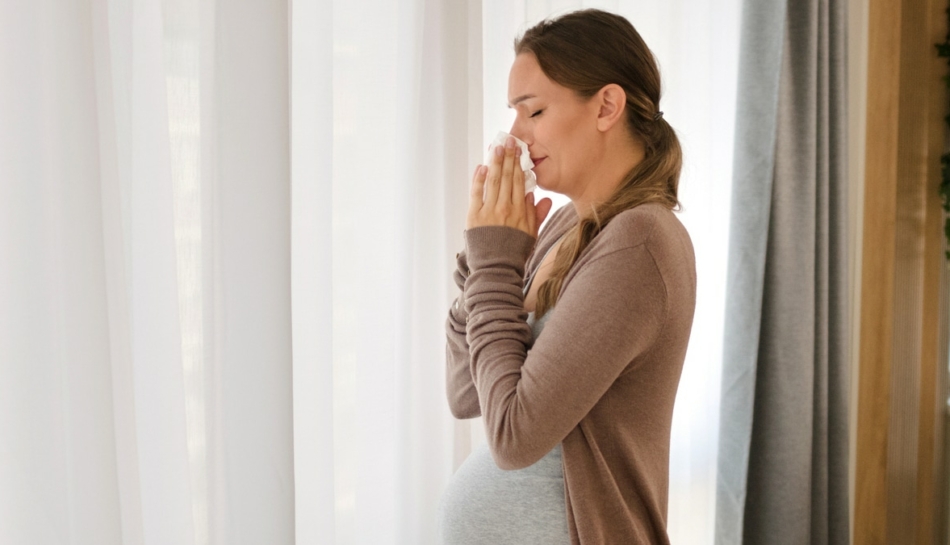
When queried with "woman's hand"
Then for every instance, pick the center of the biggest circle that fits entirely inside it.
(498, 198)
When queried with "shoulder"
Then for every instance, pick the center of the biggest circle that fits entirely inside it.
(652, 225)
(648, 232)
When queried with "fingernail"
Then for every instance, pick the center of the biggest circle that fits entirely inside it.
(517, 152)
(499, 151)
(510, 142)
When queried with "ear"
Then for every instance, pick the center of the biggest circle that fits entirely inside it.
(612, 102)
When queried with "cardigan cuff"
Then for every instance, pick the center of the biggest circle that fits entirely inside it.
(494, 245)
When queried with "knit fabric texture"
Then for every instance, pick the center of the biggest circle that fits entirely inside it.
(602, 377)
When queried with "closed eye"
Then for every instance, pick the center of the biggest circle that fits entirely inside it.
(535, 114)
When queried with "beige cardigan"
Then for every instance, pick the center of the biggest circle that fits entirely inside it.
(602, 376)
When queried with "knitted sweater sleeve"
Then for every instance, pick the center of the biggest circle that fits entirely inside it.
(459, 387)
(609, 313)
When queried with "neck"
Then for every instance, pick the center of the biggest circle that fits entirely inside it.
(584, 209)
(604, 181)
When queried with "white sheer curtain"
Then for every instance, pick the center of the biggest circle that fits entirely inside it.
(145, 350)
(227, 231)
(381, 102)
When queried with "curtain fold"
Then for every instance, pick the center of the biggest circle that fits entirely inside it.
(250, 379)
(55, 378)
(383, 147)
(783, 457)
(311, 58)
(144, 201)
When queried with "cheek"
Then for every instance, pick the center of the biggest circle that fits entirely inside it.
(555, 139)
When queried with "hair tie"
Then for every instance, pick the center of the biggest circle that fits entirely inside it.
(657, 116)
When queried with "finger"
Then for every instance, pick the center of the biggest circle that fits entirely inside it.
(504, 191)
(530, 214)
(517, 186)
(494, 176)
(477, 192)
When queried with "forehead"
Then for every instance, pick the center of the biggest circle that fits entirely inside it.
(526, 81)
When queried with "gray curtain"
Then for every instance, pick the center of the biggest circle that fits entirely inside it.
(783, 442)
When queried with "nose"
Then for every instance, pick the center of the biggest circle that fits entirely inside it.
(517, 130)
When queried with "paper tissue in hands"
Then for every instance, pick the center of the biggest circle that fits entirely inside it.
(530, 180)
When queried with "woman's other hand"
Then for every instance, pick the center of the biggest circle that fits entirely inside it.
(498, 198)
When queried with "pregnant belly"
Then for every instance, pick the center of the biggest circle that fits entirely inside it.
(486, 505)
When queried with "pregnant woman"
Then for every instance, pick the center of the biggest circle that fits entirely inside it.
(570, 344)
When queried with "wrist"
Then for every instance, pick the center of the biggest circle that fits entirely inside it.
(490, 245)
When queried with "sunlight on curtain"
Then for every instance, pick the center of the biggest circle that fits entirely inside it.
(182, 63)
(696, 44)
(145, 389)
(57, 450)
(226, 78)
(225, 68)
(372, 154)
(89, 250)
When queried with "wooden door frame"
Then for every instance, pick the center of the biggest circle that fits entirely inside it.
(900, 482)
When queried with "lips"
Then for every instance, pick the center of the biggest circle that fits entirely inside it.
(538, 160)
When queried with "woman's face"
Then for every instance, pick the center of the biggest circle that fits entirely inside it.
(559, 128)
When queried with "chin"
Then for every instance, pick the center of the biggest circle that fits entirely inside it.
(546, 187)
(539, 182)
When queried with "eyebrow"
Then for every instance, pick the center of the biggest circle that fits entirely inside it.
(522, 98)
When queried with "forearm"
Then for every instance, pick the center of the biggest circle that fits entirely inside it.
(531, 400)
(459, 386)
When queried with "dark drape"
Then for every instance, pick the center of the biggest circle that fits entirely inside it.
(783, 454)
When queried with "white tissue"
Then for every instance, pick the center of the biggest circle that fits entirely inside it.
(530, 180)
